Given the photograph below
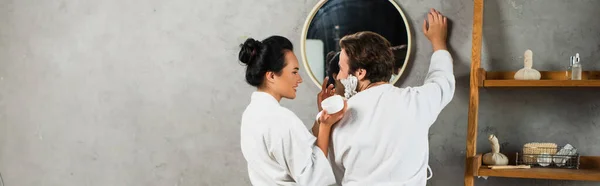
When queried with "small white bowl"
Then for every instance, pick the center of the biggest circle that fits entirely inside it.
(333, 104)
(544, 159)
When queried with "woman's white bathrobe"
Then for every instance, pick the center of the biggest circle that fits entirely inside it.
(383, 137)
(279, 148)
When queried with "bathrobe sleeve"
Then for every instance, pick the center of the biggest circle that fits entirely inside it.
(439, 86)
(294, 149)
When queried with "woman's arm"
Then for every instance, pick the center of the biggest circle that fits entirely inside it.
(326, 91)
(324, 124)
(315, 129)
(323, 135)
(294, 149)
(303, 156)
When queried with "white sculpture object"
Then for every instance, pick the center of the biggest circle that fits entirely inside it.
(494, 157)
(527, 72)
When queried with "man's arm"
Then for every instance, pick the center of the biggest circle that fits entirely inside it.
(438, 89)
(436, 29)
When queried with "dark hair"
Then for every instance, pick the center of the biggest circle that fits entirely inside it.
(263, 57)
(370, 51)
(333, 67)
(400, 53)
(329, 55)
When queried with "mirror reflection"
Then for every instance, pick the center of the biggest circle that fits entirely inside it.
(336, 18)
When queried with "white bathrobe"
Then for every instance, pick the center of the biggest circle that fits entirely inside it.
(383, 137)
(279, 148)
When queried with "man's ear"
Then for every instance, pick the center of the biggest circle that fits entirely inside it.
(361, 74)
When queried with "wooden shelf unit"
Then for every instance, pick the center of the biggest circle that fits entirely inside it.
(589, 171)
(548, 79)
(544, 173)
(479, 78)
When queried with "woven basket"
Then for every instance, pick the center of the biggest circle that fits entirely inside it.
(531, 151)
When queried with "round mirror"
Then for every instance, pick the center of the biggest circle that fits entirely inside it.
(330, 20)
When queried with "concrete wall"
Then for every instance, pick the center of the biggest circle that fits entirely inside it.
(136, 93)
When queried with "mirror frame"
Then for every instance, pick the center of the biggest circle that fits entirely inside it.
(312, 14)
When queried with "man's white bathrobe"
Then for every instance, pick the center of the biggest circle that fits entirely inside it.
(279, 148)
(383, 137)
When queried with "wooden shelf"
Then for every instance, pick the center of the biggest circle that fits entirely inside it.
(479, 78)
(541, 83)
(589, 171)
(548, 79)
(544, 173)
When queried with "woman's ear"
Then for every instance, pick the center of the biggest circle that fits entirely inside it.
(270, 77)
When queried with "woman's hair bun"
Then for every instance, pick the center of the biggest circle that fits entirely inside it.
(250, 50)
(263, 56)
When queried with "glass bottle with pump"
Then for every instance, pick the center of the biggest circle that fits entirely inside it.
(569, 68)
(576, 69)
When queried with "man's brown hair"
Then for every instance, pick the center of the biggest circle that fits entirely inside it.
(369, 51)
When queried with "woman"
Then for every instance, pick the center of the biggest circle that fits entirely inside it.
(332, 70)
(274, 141)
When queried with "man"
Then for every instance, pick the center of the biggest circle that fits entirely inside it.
(383, 137)
(332, 64)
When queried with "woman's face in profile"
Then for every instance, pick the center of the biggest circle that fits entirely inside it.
(287, 82)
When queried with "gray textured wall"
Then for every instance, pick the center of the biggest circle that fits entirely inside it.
(132, 93)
